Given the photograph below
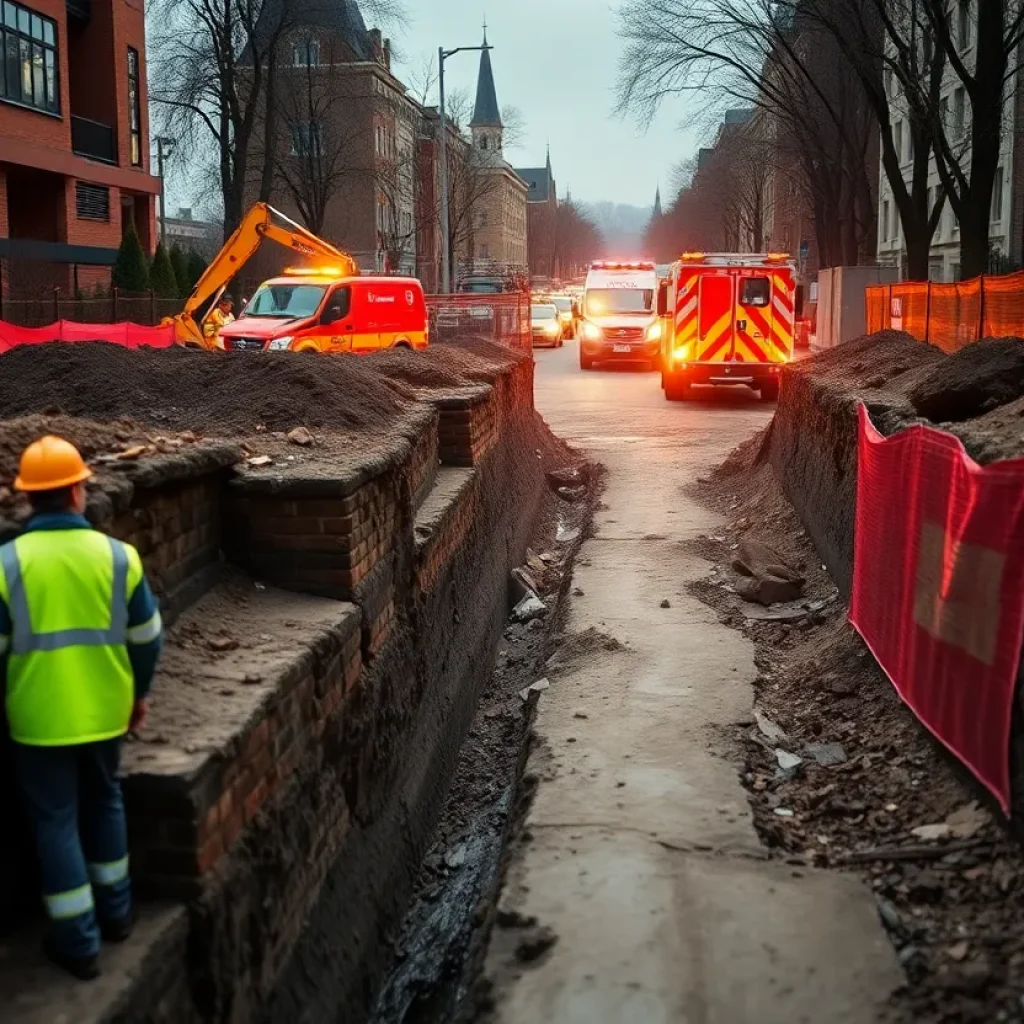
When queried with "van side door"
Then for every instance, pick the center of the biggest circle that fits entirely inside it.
(336, 324)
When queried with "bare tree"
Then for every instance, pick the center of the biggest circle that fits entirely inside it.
(798, 60)
(214, 70)
(322, 143)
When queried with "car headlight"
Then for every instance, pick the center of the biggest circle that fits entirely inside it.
(551, 329)
(280, 344)
(654, 331)
(592, 332)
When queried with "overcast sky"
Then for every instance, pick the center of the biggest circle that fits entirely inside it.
(557, 61)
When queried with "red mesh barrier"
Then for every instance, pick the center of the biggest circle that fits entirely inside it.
(938, 560)
(127, 334)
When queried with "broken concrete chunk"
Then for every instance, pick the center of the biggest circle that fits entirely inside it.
(523, 584)
(786, 760)
(259, 460)
(300, 436)
(538, 687)
(968, 821)
(569, 476)
(932, 833)
(529, 608)
(769, 729)
(827, 754)
(455, 858)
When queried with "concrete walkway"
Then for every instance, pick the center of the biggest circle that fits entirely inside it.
(644, 861)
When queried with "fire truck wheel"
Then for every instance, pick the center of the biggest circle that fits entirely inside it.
(770, 391)
(676, 390)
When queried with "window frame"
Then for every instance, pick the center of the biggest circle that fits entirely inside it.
(134, 107)
(36, 37)
(760, 280)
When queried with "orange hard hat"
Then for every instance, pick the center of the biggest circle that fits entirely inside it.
(50, 463)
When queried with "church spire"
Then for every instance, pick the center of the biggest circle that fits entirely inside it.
(486, 112)
(657, 202)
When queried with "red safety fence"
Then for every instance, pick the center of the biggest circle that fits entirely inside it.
(937, 595)
(949, 316)
(503, 319)
(127, 334)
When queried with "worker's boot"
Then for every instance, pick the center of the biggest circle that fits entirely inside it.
(85, 968)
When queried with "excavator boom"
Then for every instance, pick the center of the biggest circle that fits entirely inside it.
(261, 222)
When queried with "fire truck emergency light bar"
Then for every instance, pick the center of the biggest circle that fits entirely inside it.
(740, 257)
(615, 265)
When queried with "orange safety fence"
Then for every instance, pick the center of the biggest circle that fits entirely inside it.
(949, 316)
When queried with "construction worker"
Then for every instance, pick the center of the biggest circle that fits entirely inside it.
(80, 634)
(218, 317)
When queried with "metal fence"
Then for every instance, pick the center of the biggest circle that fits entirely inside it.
(949, 316)
(503, 319)
(145, 309)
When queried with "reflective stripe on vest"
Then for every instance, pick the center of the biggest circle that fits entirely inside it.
(25, 641)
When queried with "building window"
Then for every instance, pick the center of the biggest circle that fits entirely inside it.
(134, 107)
(92, 202)
(307, 54)
(963, 22)
(997, 196)
(885, 220)
(29, 49)
(958, 112)
(307, 140)
(897, 140)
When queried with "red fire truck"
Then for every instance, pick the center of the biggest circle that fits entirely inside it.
(727, 318)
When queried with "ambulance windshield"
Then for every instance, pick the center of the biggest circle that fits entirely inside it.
(616, 301)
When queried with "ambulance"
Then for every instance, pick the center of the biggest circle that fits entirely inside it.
(726, 318)
(618, 317)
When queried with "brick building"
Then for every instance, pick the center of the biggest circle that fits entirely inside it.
(74, 141)
(347, 137)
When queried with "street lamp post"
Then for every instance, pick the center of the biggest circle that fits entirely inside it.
(446, 267)
(164, 147)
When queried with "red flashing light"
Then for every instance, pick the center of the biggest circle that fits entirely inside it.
(619, 265)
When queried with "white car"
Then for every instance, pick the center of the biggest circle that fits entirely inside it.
(545, 326)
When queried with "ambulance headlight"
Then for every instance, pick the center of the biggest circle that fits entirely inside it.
(280, 344)
(681, 354)
(654, 331)
(591, 332)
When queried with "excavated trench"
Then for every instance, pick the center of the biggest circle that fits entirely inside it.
(435, 973)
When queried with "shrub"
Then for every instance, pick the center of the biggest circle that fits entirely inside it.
(131, 274)
(161, 274)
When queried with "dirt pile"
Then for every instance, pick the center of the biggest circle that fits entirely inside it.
(974, 381)
(219, 393)
(472, 361)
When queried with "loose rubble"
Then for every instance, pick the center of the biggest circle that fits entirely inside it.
(842, 776)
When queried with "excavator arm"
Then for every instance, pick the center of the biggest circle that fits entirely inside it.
(261, 222)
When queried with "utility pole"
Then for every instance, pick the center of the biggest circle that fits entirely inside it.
(163, 141)
(446, 265)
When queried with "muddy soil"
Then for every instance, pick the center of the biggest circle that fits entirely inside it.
(842, 776)
(435, 976)
(302, 415)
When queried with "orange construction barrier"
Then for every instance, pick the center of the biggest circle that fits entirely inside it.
(949, 316)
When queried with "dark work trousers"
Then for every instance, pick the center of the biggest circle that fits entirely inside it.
(74, 801)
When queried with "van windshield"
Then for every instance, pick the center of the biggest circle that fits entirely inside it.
(616, 301)
(288, 301)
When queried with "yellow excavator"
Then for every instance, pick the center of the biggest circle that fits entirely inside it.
(261, 222)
